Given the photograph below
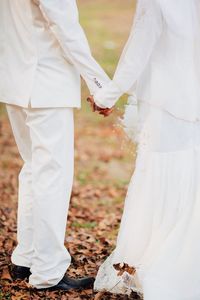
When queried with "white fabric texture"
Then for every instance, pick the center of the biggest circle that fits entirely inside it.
(159, 233)
(45, 139)
(161, 61)
(43, 52)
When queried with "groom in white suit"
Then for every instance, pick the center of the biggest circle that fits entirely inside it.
(43, 52)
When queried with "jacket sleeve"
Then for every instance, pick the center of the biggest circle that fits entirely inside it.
(63, 19)
(146, 29)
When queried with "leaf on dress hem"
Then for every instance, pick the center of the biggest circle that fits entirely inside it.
(122, 268)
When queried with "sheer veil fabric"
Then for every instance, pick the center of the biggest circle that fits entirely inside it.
(160, 230)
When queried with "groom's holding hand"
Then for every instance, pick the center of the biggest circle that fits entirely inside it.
(43, 52)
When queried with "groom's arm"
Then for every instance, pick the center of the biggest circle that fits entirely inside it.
(63, 19)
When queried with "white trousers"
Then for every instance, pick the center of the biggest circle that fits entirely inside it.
(45, 139)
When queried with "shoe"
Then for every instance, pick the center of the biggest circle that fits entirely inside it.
(68, 283)
(20, 273)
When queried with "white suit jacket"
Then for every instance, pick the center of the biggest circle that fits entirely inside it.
(161, 60)
(43, 52)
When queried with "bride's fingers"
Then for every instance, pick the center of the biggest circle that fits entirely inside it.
(111, 109)
(106, 112)
(95, 108)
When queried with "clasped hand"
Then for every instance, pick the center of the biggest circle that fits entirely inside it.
(95, 108)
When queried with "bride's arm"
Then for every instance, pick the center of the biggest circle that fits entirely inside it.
(63, 19)
(145, 31)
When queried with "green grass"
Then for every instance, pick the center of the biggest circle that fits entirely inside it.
(87, 225)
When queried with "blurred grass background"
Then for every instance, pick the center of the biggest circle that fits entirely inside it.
(107, 25)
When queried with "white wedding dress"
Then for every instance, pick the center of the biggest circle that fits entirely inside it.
(160, 230)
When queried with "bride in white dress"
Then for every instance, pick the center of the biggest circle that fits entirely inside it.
(159, 235)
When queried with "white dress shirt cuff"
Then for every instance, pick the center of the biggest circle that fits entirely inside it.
(108, 95)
